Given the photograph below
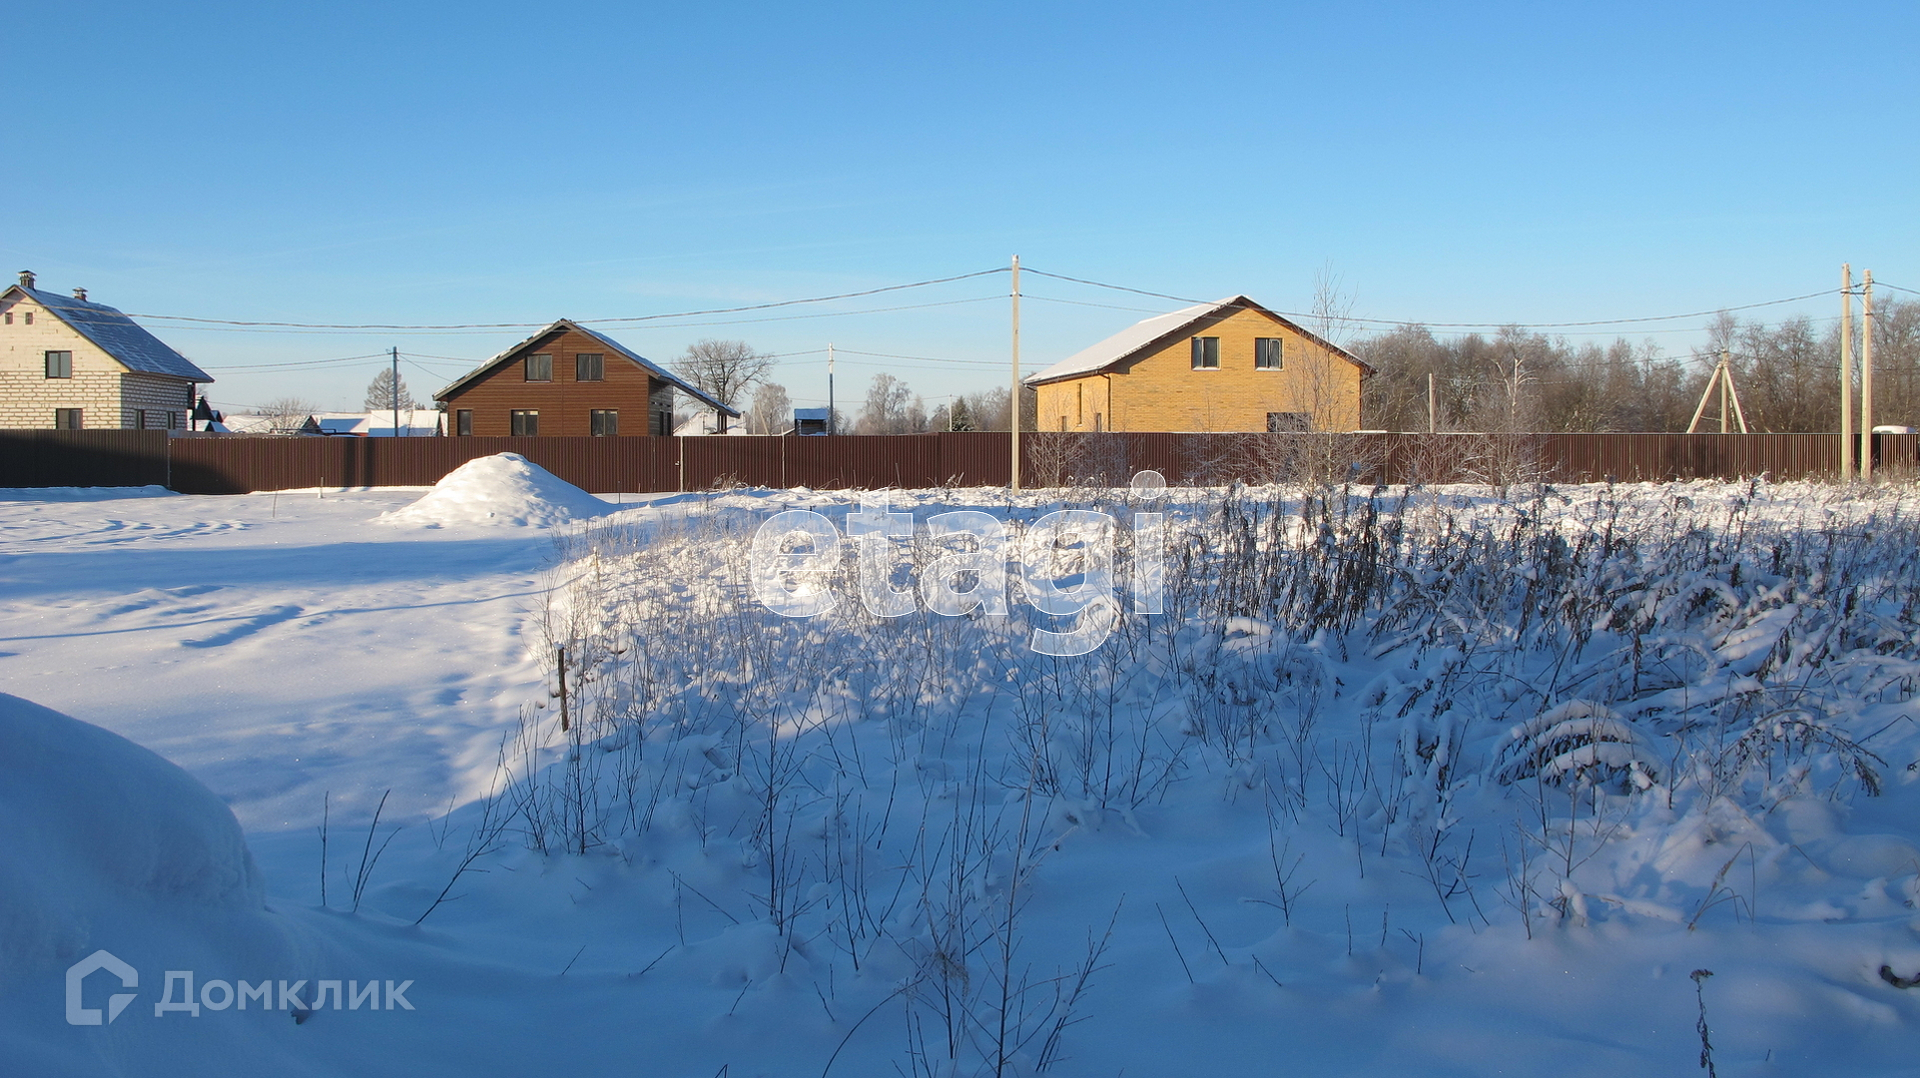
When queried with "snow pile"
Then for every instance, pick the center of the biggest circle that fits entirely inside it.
(101, 832)
(505, 488)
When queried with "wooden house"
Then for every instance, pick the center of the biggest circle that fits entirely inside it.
(68, 362)
(1226, 366)
(567, 380)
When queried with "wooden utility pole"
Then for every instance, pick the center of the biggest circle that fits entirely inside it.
(1013, 399)
(830, 429)
(1866, 376)
(1433, 409)
(1846, 371)
(396, 393)
(1730, 409)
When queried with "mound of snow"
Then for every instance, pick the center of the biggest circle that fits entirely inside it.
(505, 488)
(100, 833)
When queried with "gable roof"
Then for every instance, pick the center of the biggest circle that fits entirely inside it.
(1152, 334)
(115, 334)
(563, 325)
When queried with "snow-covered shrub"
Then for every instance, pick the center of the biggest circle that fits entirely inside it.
(1578, 740)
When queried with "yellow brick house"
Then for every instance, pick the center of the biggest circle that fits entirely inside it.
(1226, 366)
(69, 362)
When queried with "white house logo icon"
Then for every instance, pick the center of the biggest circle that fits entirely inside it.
(77, 974)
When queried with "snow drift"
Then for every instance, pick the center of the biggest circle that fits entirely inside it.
(101, 831)
(506, 488)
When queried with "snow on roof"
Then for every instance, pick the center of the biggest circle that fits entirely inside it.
(564, 324)
(1148, 331)
(416, 422)
(242, 423)
(116, 335)
(1129, 340)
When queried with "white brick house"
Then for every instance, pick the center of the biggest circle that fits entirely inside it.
(66, 361)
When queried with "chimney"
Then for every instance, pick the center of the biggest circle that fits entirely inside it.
(26, 278)
(80, 294)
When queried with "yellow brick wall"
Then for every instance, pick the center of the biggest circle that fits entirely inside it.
(27, 396)
(1162, 392)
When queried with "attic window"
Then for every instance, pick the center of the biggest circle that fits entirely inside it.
(540, 368)
(59, 364)
(589, 367)
(1206, 353)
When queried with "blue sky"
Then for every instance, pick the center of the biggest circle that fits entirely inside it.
(485, 162)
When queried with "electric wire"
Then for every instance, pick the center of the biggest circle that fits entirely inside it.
(1456, 325)
(581, 321)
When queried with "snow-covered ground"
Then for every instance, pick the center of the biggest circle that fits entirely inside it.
(1408, 782)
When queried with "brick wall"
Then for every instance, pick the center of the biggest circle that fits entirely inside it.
(27, 396)
(1162, 392)
(159, 397)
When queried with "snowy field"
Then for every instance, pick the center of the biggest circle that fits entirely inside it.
(1422, 782)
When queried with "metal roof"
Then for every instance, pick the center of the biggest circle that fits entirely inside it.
(116, 334)
(1149, 332)
(565, 324)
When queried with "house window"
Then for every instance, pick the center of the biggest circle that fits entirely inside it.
(526, 423)
(59, 364)
(589, 367)
(68, 419)
(463, 422)
(540, 368)
(29, 318)
(1266, 353)
(1288, 422)
(1206, 353)
(9, 318)
(605, 422)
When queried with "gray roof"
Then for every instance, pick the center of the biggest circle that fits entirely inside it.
(1148, 332)
(116, 334)
(565, 324)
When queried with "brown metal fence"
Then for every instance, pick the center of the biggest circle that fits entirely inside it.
(83, 458)
(238, 464)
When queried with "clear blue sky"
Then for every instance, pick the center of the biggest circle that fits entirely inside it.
(489, 162)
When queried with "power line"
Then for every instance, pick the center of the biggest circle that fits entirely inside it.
(582, 321)
(295, 364)
(678, 325)
(1455, 325)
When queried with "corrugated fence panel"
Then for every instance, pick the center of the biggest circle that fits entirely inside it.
(974, 458)
(234, 464)
(83, 458)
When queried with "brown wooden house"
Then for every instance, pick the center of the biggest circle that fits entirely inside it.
(567, 380)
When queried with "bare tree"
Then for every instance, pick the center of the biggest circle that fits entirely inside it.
(388, 391)
(288, 413)
(771, 411)
(891, 408)
(723, 370)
